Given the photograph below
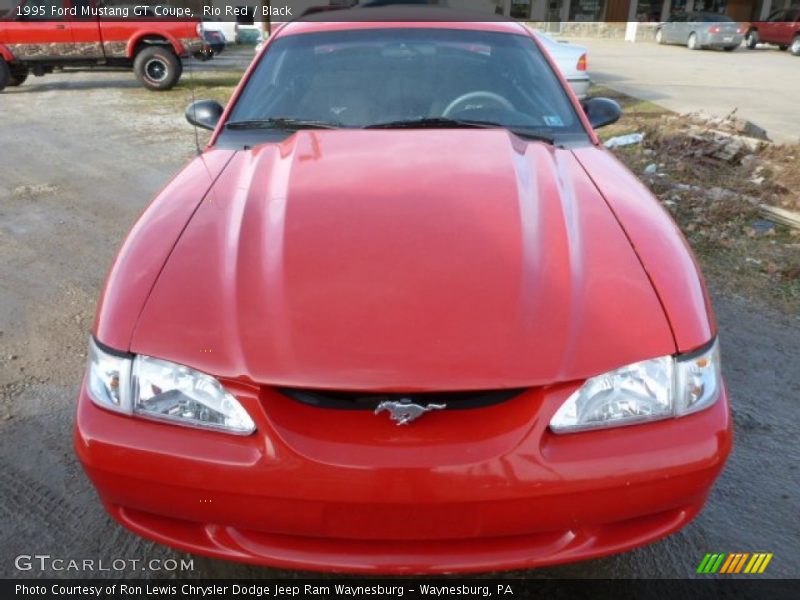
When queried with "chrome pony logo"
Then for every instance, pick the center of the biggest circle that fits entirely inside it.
(404, 411)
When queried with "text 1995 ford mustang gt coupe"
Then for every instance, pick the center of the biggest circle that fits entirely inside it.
(404, 314)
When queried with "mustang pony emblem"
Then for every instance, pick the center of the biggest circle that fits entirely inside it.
(404, 411)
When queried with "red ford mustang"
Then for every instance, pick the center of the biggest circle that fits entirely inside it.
(404, 314)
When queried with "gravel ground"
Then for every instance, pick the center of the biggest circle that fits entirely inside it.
(82, 154)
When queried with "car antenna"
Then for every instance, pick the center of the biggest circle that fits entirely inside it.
(211, 190)
(194, 109)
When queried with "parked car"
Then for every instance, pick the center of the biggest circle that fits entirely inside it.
(571, 60)
(782, 29)
(698, 30)
(248, 32)
(215, 40)
(36, 42)
(405, 314)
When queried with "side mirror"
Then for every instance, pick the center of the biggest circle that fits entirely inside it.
(204, 113)
(602, 111)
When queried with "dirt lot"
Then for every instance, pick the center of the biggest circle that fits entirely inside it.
(83, 154)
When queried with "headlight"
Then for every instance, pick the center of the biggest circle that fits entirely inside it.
(645, 391)
(159, 389)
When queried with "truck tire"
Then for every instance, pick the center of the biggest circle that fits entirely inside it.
(5, 74)
(157, 67)
(18, 76)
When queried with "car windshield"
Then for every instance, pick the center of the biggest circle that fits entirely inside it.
(406, 77)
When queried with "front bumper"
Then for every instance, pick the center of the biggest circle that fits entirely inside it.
(457, 491)
(580, 85)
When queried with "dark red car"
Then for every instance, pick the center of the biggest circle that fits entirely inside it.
(782, 29)
(404, 315)
(42, 35)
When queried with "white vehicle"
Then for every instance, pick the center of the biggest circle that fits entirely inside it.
(235, 32)
(571, 60)
(237, 21)
(226, 28)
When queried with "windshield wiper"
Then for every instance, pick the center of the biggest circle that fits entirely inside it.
(433, 122)
(445, 122)
(281, 123)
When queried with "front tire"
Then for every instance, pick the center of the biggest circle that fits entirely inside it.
(18, 76)
(5, 74)
(659, 37)
(692, 42)
(158, 68)
(751, 40)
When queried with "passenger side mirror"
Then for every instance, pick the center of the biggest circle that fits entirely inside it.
(602, 111)
(204, 113)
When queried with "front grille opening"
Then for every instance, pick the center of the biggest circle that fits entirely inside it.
(369, 400)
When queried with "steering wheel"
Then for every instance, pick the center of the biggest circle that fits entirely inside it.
(477, 99)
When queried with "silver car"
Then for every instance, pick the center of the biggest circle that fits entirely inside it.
(699, 30)
(571, 61)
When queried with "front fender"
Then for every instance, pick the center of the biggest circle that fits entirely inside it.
(147, 247)
(660, 245)
(134, 40)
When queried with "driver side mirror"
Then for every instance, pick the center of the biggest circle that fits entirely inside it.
(204, 113)
(602, 111)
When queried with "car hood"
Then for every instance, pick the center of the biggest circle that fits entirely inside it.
(403, 260)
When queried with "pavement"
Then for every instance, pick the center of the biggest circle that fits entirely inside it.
(760, 84)
(84, 153)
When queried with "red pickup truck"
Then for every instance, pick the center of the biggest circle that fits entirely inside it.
(782, 28)
(38, 36)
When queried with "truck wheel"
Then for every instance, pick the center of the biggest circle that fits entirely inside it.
(18, 76)
(751, 40)
(157, 67)
(5, 74)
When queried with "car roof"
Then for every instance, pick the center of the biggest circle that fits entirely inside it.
(392, 17)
